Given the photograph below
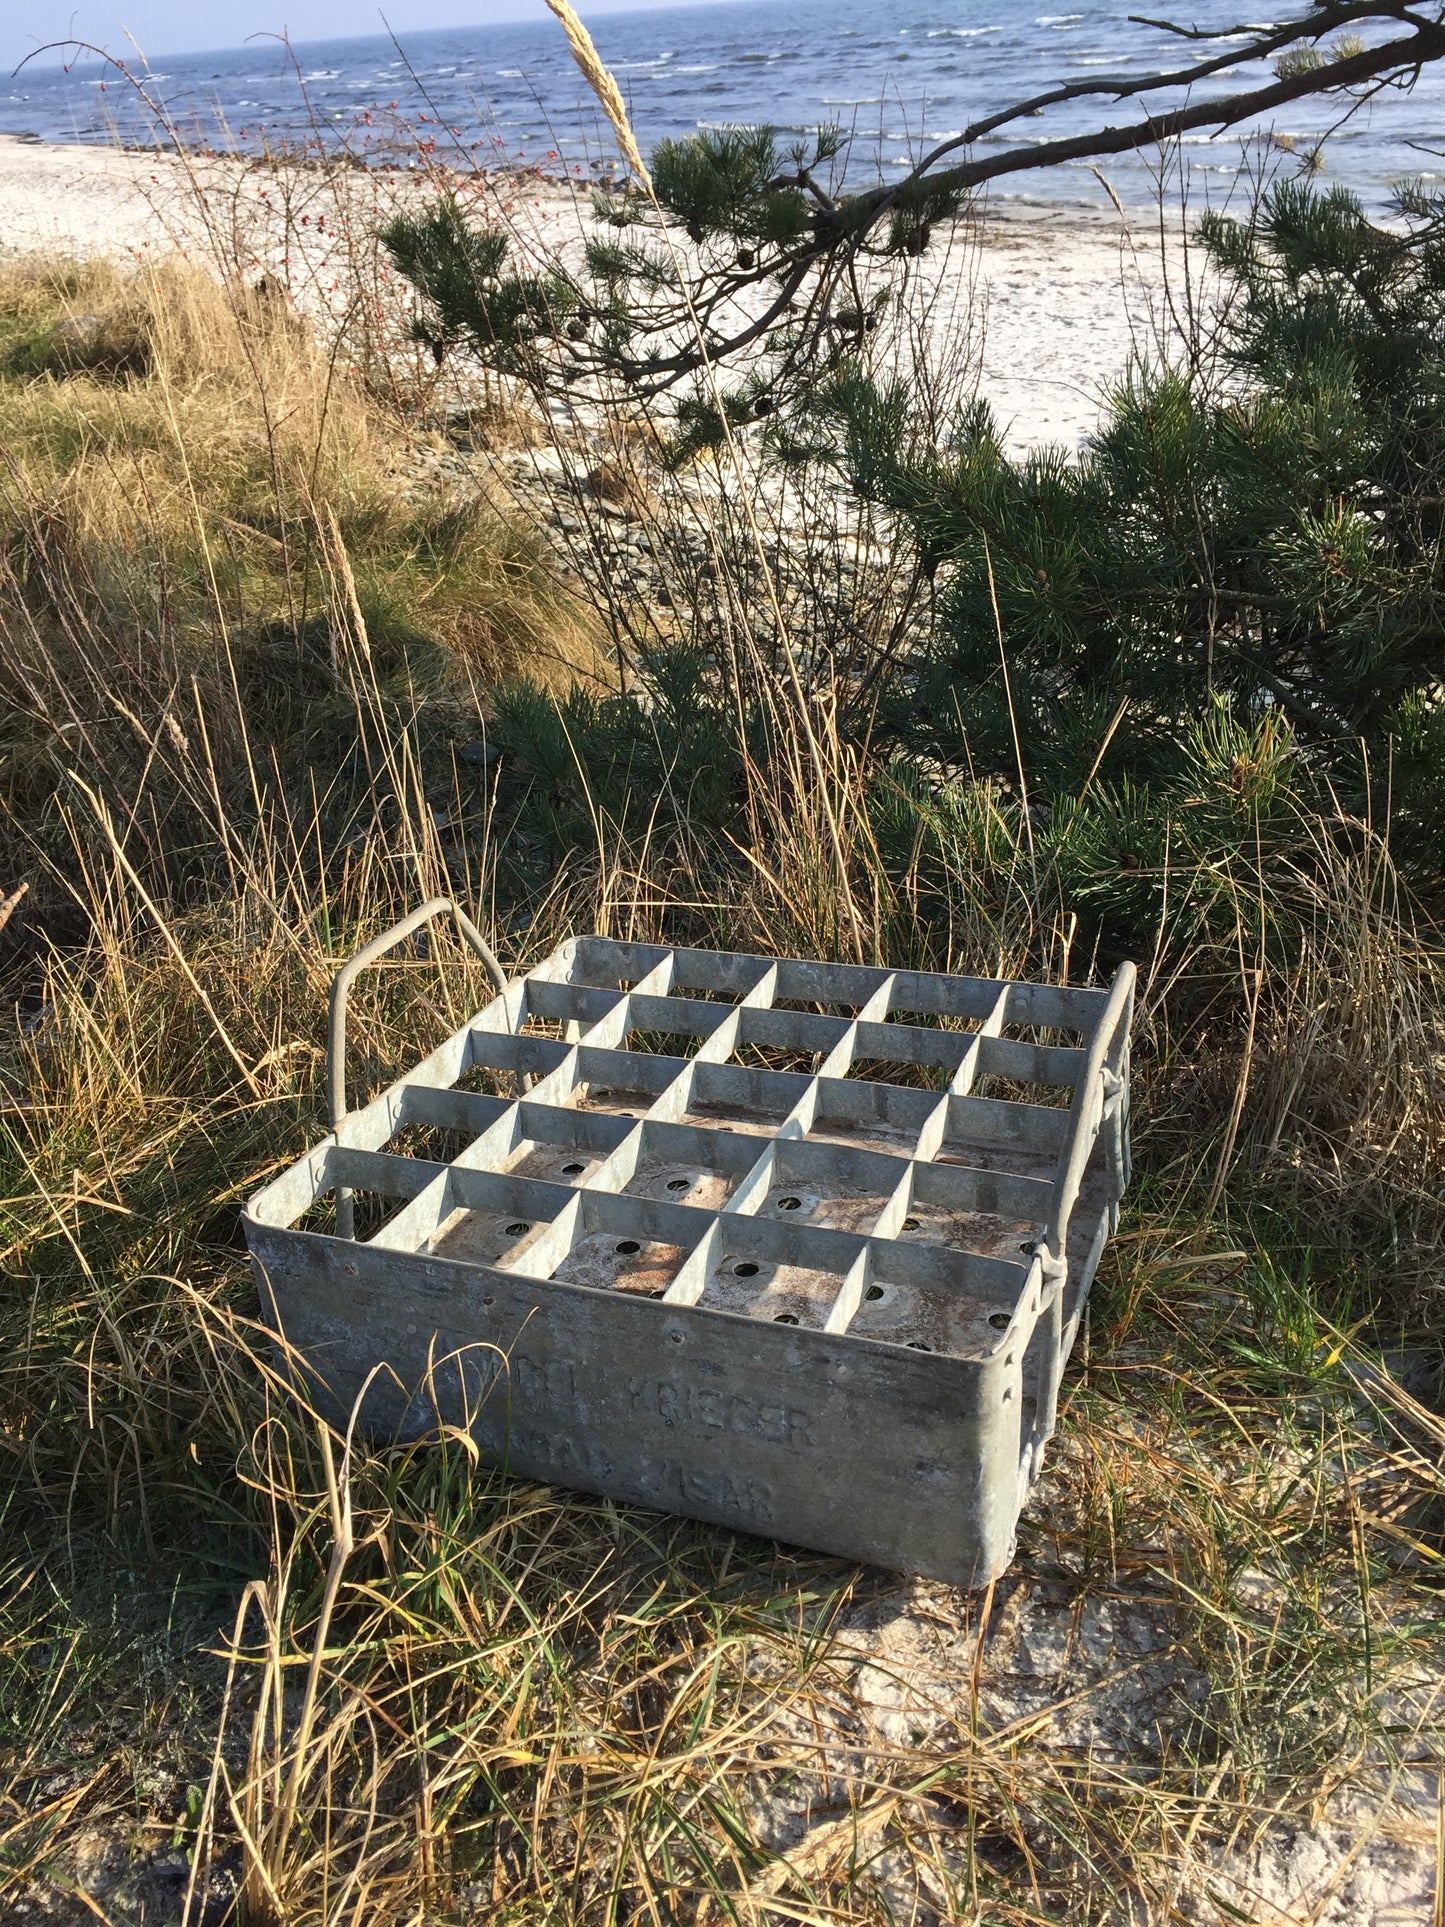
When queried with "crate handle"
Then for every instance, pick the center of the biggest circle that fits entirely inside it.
(341, 990)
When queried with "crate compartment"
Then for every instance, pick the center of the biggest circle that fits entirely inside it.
(797, 1247)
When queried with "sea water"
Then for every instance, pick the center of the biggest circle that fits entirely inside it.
(898, 79)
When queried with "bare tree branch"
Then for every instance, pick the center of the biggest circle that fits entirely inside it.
(846, 227)
(1262, 43)
(1403, 56)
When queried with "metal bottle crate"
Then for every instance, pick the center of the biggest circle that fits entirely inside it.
(797, 1248)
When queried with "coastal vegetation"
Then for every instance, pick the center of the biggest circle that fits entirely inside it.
(285, 647)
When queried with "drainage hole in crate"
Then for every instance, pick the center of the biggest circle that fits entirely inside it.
(629, 1248)
(1028, 1247)
(747, 1269)
(873, 1293)
(790, 1204)
(573, 1170)
(516, 1230)
(679, 1184)
(999, 1320)
(785, 1318)
(910, 1224)
(917, 1345)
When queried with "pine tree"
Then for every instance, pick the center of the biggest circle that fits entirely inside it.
(1275, 538)
(1170, 641)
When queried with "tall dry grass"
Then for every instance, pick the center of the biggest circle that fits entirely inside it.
(352, 1680)
(254, 1668)
(195, 459)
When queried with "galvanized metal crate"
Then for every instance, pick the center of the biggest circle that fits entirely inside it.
(798, 1248)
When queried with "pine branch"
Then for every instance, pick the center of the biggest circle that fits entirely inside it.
(842, 229)
(760, 230)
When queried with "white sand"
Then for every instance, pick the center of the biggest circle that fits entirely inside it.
(72, 200)
(1052, 303)
(1068, 300)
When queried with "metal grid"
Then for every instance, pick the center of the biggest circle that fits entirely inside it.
(796, 1247)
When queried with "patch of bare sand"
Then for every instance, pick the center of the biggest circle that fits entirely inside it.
(1048, 304)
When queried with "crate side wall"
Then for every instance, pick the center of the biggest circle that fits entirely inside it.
(860, 1450)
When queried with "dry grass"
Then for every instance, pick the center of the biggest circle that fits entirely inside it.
(250, 1667)
(170, 437)
(441, 1690)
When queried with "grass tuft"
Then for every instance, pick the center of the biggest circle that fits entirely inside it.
(251, 672)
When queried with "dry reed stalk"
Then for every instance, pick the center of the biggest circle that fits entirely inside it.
(102, 817)
(9, 905)
(609, 96)
(600, 79)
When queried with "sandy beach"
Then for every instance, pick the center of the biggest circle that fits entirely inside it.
(1048, 304)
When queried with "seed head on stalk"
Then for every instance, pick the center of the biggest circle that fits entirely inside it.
(602, 83)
